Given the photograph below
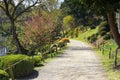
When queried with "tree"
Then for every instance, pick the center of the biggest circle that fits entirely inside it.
(82, 15)
(105, 7)
(68, 22)
(13, 12)
(38, 31)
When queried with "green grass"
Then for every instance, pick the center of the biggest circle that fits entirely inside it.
(84, 35)
(113, 74)
(108, 64)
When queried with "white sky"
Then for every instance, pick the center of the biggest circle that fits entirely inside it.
(60, 0)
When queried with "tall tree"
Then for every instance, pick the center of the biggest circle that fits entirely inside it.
(108, 7)
(13, 12)
(82, 15)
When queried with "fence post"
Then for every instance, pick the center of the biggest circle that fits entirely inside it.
(103, 49)
(11, 72)
(115, 61)
(110, 53)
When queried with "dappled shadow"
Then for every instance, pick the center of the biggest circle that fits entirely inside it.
(117, 67)
(30, 77)
(79, 48)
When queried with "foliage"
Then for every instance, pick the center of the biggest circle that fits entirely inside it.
(62, 42)
(66, 40)
(4, 75)
(84, 35)
(22, 65)
(104, 26)
(107, 37)
(13, 10)
(102, 33)
(105, 8)
(76, 32)
(100, 6)
(38, 31)
(68, 21)
(92, 38)
(82, 15)
(37, 60)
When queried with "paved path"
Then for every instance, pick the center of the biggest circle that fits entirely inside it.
(79, 62)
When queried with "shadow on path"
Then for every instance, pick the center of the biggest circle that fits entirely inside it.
(30, 77)
(79, 48)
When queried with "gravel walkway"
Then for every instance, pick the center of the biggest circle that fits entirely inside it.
(79, 62)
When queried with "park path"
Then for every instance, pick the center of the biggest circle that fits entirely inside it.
(79, 62)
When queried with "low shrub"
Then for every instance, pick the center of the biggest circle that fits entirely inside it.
(101, 29)
(88, 38)
(92, 27)
(37, 60)
(107, 37)
(102, 33)
(92, 38)
(66, 40)
(63, 42)
(22, 65)
(4, 75)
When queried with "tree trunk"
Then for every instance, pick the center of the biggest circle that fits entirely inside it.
(113, 27)
(20, 48)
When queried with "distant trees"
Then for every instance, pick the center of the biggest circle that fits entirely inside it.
(82, 15)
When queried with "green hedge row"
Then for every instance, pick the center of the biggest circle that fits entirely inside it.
(22, 65)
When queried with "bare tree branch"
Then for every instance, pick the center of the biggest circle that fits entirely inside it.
(2, 8)
(17, 7)
(37, 1)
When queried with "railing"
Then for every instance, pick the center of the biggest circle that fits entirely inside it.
(112, 54)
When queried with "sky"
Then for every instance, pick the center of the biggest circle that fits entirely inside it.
(60, 0)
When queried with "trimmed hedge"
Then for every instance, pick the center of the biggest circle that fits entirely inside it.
(92, 38)
(37, 60)
(106, 37)
(22, 65)
(4, 75)
(102, 33)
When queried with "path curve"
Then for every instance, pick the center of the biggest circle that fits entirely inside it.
(79, 62)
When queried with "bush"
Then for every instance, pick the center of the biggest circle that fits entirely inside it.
(4, 75)
(63, 42)
(88, 38)
(38, 60)
(102, 33)
(92, 27)
(102, 24)
(23, 65)
(92, 38)
(76, 32)
(106, 37)
(103, 28)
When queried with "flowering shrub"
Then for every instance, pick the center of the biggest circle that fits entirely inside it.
(66, 40)
(63, 42)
